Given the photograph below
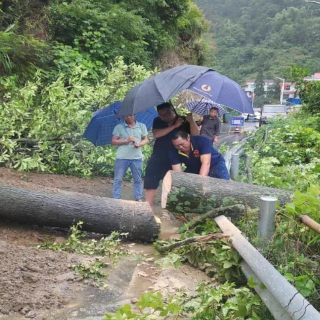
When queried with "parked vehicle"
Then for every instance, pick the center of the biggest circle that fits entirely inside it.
(253, 117)
(272, 110)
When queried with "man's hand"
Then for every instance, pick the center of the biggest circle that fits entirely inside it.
(137, 144)
(189, 117)
(215, 140)
(131, 139)
(178, 122)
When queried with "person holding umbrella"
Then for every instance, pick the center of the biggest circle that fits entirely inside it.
(209, 122)
(199, 156)
(211, 125)
(164, 126)
(129, 137)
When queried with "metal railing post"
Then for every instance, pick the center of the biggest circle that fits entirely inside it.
(234, 170)
(267, 212)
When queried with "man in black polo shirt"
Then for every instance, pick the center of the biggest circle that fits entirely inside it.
(199, 156)
(163, 129)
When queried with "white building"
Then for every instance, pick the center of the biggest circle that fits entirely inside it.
(249, 86)
(288, 91)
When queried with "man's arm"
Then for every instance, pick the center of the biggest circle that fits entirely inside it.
(205, 160)
(158, 133)
(144, 141)
(194, 129)
(117, 142)
(177, 167)
(217, 131)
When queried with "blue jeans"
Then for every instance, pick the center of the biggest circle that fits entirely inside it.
(220, 171)
(120, 168)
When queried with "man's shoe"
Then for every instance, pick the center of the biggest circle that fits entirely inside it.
(138, 200)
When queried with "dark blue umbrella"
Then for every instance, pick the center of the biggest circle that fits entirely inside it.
(202, 107)
(99, 130)
(160, 88)
(202, 80)
(220, 89)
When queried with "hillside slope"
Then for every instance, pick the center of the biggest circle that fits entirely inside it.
(254, 34)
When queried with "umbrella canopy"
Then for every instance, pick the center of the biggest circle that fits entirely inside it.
(99, 130)
(160, 88)
(201, 80)
(202, 107)
(220, 89)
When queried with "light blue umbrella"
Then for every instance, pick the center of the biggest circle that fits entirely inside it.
(99, 130)
(222, 90)
(202, 107)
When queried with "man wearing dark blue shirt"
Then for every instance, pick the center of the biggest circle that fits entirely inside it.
(163, 129)
(199, 156)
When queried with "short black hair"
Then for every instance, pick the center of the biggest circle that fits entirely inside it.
(180, 134)
(214, 108)
(166, 105)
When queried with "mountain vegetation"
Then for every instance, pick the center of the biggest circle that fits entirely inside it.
(60, 61)
(251, 35)
(91, 34)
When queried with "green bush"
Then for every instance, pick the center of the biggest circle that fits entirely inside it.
(41, 124)
(289, 158)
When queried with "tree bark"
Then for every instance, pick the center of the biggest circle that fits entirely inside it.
(191, 193)
(63, 209)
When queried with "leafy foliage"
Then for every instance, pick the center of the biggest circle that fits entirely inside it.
(19, 51)
(101, 29)
(95, 33)
(308, 91)
(207, 302)
(108, 246)
(215, 257)
(91, 271)
(150, 306)
(293, 249)
(289, 156)
(285, 154)
(42, 123)
(269, 35)
(226, 301)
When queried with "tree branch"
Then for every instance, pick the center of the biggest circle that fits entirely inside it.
(230, 211)
(205, 238)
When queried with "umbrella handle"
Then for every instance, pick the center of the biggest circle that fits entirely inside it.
(173, 108)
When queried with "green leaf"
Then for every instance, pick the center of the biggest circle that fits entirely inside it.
(251, 282)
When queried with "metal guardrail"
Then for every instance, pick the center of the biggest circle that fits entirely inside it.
(283, 300)
(234, 150)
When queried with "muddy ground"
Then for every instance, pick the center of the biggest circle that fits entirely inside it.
(40, 284)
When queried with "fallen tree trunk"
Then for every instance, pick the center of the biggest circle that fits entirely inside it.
(63, 209)
(191, 193)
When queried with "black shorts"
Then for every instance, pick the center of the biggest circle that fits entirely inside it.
(157, 167)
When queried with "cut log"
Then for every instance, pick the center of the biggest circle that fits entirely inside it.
(191, 193)
(63, 209)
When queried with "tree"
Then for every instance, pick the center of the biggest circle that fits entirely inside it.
(259, 85)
